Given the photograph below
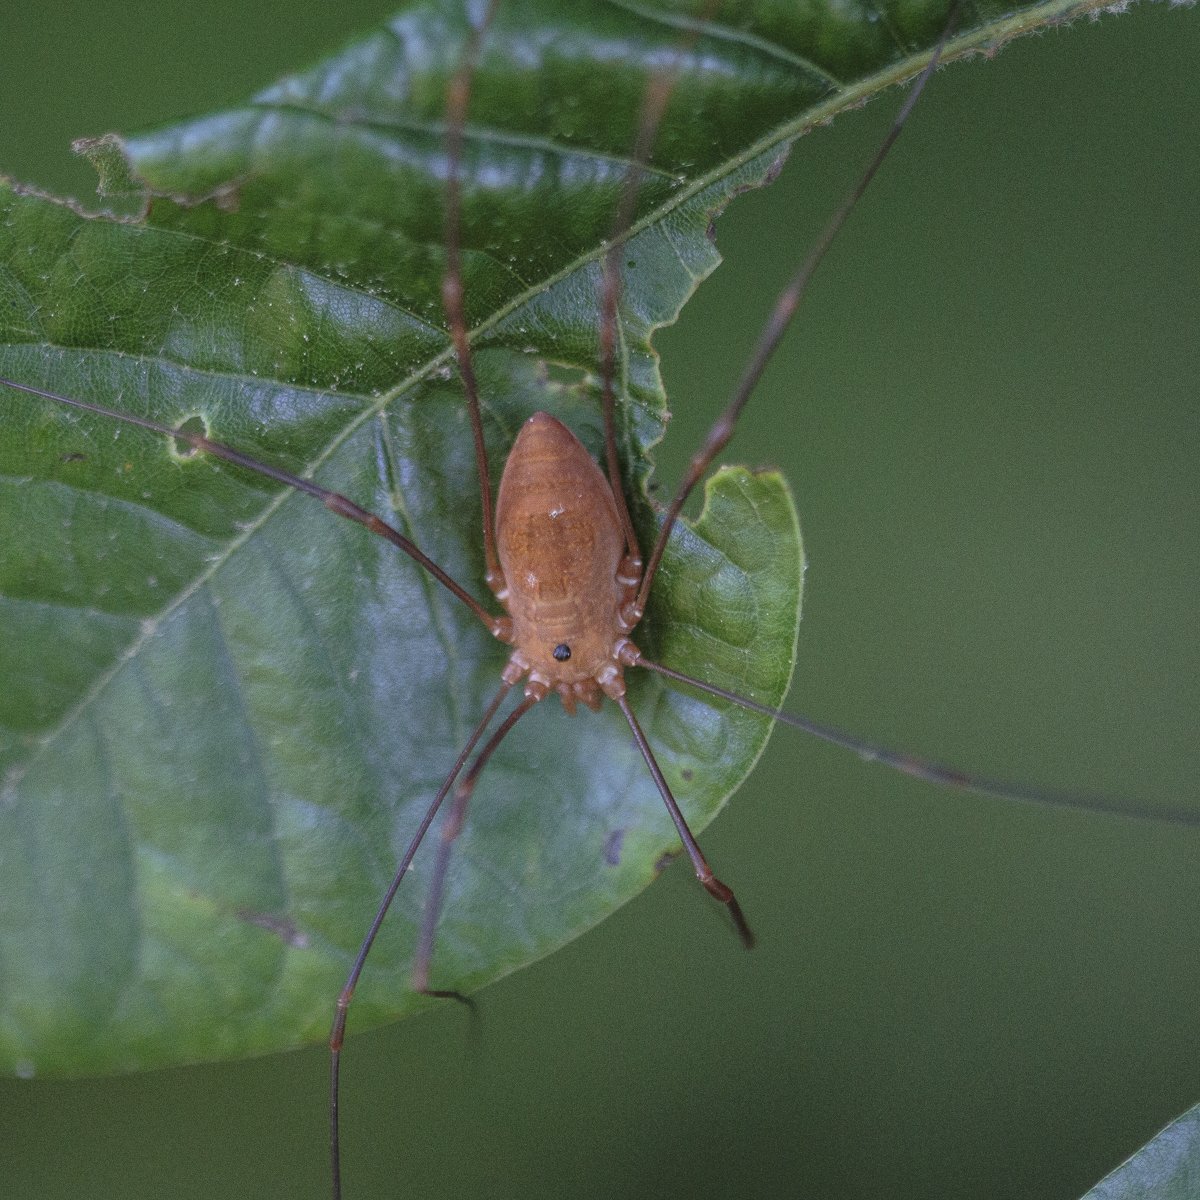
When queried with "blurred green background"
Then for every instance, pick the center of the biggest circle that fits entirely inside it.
(989, 413)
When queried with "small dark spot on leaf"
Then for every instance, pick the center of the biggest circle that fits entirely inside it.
(612, 847)
(228, 197)
(664, 860)
(687, 774)
(73, 457)
(282, 927)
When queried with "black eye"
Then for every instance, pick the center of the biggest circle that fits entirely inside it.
(562, 652)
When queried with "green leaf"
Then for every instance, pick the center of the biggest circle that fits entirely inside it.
(223, 709)
(1167, 1167)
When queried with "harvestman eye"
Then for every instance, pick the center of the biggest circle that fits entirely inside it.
(562, 652)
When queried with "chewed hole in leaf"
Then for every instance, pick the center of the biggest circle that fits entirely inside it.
(193, 426)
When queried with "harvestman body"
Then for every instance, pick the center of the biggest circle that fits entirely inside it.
(567, 581)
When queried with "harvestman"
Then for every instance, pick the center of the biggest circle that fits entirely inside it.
(561, 555)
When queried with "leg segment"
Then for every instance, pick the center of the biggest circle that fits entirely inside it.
(704, 872)
(458, 94)
(781, 316)
(451, 828)
(338, 1031)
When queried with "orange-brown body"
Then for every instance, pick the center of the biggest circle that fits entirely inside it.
(569, 579)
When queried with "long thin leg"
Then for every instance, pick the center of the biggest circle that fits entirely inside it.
(338, 1031)
(654, 105)
(458, 94)
(451, 828)
(334, 501)
(781, 316)
(704, 872)
(925, 768)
